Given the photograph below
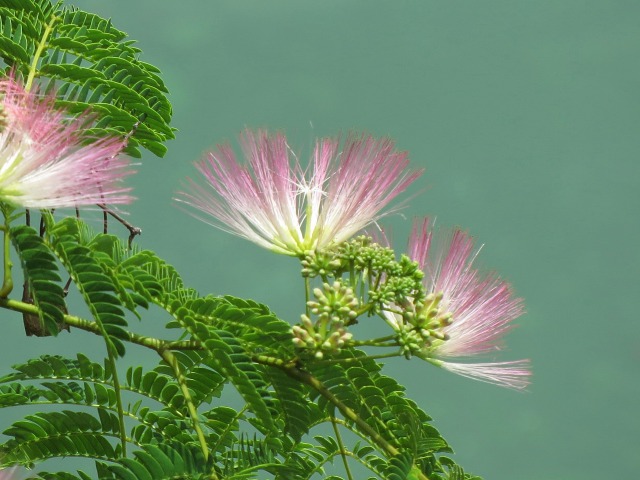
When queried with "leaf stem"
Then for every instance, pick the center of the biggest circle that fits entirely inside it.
(116, 387)
(331, 361)
(133, 230)
(343, 452)
(172, 361)
(38, 53)
(7, 280)
(89, 326)
(375, 342)
(307, 295)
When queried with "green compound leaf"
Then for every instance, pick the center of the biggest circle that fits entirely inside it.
(455, 471)
(56, 434)
(380, 402)
(91, 66)
(229, 331)
(63, 476)
(98, 289)
(41, 274)
(254, 326)
(399, 467)
(294, 403)
(203, 380)
(124, 264)
(56, 367)
(110, 251)
(225, 425)
(154, 279)
(162, 461)
(160, 387)
(232, 360)
(54, 380)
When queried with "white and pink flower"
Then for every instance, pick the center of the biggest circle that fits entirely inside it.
(8, 474)
(46, 162)
(278, 204)
(477, 308)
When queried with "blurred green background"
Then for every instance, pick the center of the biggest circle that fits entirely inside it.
(526, 116)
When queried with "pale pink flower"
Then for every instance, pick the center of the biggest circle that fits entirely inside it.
(45, 162)
(276, 203)
(8, 474)
(478, 308)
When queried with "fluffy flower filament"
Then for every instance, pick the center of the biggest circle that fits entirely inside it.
(465, 312)
(274, 202)
(46, 161)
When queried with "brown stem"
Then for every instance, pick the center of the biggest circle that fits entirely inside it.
(133, 230)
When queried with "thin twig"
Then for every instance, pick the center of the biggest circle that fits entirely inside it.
(43, 228)
(133, 230)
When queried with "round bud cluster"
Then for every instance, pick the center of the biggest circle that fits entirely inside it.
(351, 251)
(410, 340)
(375, 258)
(393, 290)
(307, 337)
(431, 316)
(400, 280)
(337, 302)
(389, 280)
(335, 307)
(320, 264)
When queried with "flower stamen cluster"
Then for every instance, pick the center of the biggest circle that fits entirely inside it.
(464, 313)
(419, 325)
(47, 160)
(277, 203)
(432, 317)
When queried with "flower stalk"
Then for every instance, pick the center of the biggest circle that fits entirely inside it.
(38, 53)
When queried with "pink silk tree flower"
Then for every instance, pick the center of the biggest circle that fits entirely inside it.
(276, 203)
(45, 161)
(468, 311)
(8, 474)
